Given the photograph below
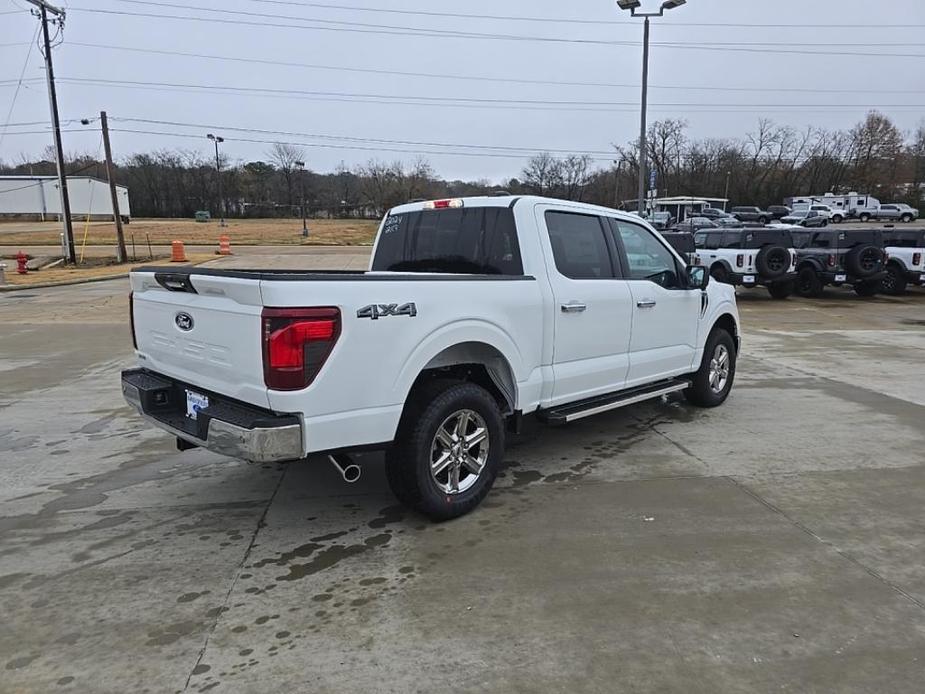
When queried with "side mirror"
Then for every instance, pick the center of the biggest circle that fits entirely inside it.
(697, 277)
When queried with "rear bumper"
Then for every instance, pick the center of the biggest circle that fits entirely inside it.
(739, 278)
(226, 426)
(915, 277)
(829, 278)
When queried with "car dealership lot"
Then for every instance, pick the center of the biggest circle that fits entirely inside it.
(775, 543)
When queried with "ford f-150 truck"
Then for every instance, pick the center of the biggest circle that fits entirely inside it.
(474, 313)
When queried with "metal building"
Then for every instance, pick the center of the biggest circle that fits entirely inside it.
(37, 197)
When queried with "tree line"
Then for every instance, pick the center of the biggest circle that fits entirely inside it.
(764, 167)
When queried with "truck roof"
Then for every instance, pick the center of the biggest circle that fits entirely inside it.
(511, 200)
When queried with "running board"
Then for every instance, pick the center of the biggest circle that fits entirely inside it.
(603, 403)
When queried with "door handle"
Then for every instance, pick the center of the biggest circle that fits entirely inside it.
(646, 303)
(574, 307)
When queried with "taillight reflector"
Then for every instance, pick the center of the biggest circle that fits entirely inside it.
(296, 343)
(740, 260)
(833, 261)
(916, 258)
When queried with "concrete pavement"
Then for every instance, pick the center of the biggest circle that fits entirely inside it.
(776, 543)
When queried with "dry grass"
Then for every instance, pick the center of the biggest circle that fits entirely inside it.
(260, 232)
(92, 268)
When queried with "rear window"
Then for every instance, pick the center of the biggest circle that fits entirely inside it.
(469, 241)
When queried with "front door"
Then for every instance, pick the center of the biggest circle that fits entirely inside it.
(593, 308)
(666, 316)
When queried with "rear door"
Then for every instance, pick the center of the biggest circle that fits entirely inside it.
(204, 330)
(592, 305)
(666, 316)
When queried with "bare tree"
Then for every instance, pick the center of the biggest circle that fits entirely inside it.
(285, 156)
(543, 174)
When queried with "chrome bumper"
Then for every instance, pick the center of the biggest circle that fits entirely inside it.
(260, 444)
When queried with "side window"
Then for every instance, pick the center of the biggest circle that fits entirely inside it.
(821, 240)
(700, 239)
(647, 257)
(579, 246)
(800, 239)
(732, 240)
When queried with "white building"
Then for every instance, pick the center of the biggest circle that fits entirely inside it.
(38, 196)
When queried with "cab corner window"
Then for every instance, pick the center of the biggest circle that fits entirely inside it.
(578, 246)
(647, 257)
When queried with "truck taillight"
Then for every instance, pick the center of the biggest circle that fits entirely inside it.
(131, 317)
(833, 261)
(296, 343)
(916, 258)
(740, 260)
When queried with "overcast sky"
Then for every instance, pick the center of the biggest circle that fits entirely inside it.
(592, 42)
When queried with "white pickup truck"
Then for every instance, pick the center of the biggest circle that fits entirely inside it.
(475, 312)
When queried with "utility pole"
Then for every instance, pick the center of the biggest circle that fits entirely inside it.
(44, 9)
(116, 214)
(218, 172)
(301, 165)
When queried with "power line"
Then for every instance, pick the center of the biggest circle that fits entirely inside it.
(476, 78)
(355, 27)
(454, 101)
(556, 20)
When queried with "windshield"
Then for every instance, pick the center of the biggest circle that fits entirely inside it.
(471, 241)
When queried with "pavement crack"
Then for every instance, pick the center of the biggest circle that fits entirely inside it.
(237, 574)
(842, 553)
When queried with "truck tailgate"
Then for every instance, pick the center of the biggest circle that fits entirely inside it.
(203, 330)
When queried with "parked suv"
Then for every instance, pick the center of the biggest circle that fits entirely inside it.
(778, 211)
(692, 224)
(837, 258)
(752, 214)
(806, 218)
(749, 257)
(905, 260)
(902, 212)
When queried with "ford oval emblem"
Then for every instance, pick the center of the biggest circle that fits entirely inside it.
(184, 321)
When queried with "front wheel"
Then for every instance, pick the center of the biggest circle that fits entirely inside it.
(907, 218)
(448, 450)
(713, 381)
(864, 217)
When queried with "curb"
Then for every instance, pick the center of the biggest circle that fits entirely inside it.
(65, 283)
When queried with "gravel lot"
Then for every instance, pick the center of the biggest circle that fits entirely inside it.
(777, 543)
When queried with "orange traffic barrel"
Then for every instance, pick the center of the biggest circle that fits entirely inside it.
(224, 245)
(178, 254)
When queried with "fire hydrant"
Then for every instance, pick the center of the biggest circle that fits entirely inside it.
(21, 260)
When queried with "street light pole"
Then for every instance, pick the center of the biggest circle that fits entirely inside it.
(301, 165)
(632, 6)
(218, 172)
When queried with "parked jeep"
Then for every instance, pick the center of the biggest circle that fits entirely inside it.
(751, 214)
(683, 243)
(905, 265)
(829, 257)
(749, 257)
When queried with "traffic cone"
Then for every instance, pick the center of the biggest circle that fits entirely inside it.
(177, 252)
(224, 245)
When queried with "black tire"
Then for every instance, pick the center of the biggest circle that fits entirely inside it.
(837, 219)
(906, 218)
(808, 284)
(772, 261)
(867, 289)
(719, 274)
(762, 220)
(780, 290)
(894, 283)
(701, 391)
(825, 223)
(864, 217)
(864, 261)
(408, 461)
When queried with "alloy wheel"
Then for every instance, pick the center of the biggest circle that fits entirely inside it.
(459, 451)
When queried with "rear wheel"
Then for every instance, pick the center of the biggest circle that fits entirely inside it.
(720, 274)
(864, 217)
(448, 450)
(713, 381)
(808, 284)
(895, 281)
(780, 290)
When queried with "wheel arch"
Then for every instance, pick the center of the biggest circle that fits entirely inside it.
(898, 262)
(476, 362)
(727, 322)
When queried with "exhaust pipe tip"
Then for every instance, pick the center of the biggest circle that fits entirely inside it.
(351, 472)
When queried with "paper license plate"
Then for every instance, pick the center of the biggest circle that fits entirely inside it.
(194, 403)
(841, 278)
(749, 279)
